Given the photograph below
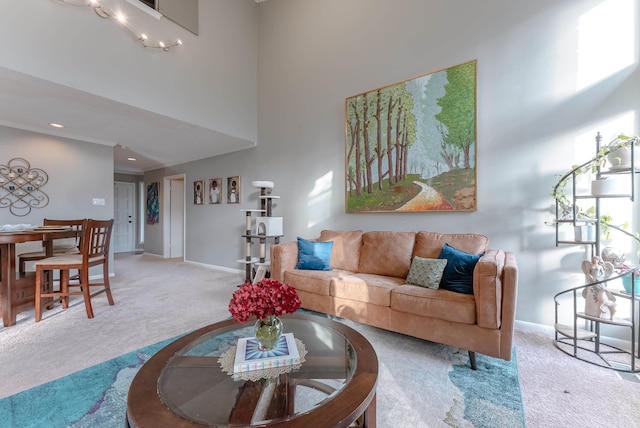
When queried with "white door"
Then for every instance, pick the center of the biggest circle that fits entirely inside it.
(176, 230)
(123, 220)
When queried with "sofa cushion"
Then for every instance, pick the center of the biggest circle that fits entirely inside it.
(314, 255)
(458, 274)
(346, 248)
(429, 244)
(386, 253)
(426, 272)
(441, 304)
(314, 281)
(373, 289)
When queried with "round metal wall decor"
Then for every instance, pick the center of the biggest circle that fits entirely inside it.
(20, 187)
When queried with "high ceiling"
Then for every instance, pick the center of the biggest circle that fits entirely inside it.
(154, 140)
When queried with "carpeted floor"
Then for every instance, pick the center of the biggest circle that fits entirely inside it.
(158, 299)
(410, 372)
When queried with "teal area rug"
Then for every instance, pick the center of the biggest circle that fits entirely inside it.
(93, 397)
(492, 393)
(420, 384)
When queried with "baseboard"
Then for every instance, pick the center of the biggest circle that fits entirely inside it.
(550, 331)
(222, 268)
(205, 265)
(530, 326)
(151, 254)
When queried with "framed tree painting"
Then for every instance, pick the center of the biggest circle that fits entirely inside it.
(411, 146)
(215, 191)
(198, 192)
(153, 205)
(233, 189)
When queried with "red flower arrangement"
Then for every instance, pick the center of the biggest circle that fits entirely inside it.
(262, 299)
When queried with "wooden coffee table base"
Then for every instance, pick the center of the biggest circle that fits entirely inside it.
(338, 357)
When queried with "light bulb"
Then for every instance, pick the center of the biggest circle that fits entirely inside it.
(121, 17)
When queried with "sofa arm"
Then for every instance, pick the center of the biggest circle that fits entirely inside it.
(283, 257)
(495, 286)
(509, 293)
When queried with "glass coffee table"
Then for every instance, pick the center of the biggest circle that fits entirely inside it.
(183, 385)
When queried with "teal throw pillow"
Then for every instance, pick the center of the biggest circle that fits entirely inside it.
(314, 255)
(426, 272)
(458, 274)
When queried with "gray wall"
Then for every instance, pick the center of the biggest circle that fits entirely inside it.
(78, 172)
(534, 120)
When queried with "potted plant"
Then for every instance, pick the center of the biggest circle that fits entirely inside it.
(605, 186)
(632, 274)
(610, 152)
(265, 300)
(602, 186)
(620, 153)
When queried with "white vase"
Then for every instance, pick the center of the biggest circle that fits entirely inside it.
(585, 233)
(609, 186)
(621, 158)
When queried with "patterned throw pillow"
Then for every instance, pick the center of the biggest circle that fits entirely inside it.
(426, 272)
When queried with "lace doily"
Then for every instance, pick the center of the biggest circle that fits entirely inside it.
(227, 359)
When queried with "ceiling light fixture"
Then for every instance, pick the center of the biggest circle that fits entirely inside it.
(56, 125)
(131, 159)
(121, 18)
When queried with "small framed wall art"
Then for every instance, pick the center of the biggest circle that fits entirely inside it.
(215, 191)
(233, 189)
(198, 192)
(153, 204)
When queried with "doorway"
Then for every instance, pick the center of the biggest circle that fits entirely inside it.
(173, 210)
(124, 201)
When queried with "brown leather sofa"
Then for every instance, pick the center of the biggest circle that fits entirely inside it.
(366, 284)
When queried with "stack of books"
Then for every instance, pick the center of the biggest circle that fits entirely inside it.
(249, 357)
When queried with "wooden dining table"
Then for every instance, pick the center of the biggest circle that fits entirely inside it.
(17, 291)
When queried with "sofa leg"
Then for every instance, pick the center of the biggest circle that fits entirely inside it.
(472, 360)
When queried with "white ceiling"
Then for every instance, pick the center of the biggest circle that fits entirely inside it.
(30, 103)
(154, 140)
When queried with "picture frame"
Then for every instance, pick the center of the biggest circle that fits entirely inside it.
(411, 146)
(215, 191)
(234, 189)
(153, 203)
(198, 192)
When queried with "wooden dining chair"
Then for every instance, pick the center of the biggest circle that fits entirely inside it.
(59, 248)
(94, 251)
